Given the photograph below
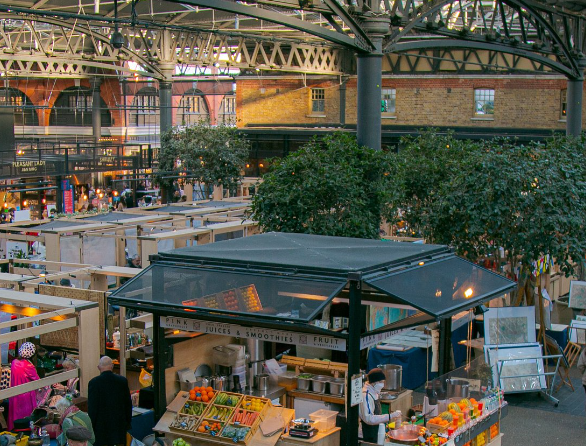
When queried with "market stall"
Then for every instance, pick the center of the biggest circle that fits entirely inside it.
(278, 287)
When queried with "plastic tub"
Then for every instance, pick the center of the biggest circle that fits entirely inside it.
(288, 380)
(324, 420)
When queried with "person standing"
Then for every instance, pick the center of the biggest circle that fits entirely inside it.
(370, 408)
(22, 371)
(109, 405)
(582, 366)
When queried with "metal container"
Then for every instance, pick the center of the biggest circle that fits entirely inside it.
(337, 386)
(219, 382)
(407, 434)
(319, 383)
(458, 388)
(261, 382)
(393, 376)
(304, 383)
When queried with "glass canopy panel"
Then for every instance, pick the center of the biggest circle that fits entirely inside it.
(281, 297)
(443, 287)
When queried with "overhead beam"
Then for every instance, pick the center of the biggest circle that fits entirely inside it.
(281, 19)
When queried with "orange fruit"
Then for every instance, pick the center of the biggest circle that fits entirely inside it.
(201, 429)
(210, 395)
(205, 398)
(209, 389)
(198, 398)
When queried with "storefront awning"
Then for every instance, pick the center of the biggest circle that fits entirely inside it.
(443, 287)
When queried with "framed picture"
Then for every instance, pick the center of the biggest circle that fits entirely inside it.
(516, 368)
(509, 325)
(577, 295)
(577, 332)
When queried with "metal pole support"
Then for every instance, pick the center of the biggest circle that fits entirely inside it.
(352, 415)
(574, 100)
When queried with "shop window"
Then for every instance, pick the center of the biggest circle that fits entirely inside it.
(484, 102)
(563, 104)
(318, 100)
(193, 108)
(24, 111)
(73, 107)
(388, 96)
(227, 115)
(144, 111)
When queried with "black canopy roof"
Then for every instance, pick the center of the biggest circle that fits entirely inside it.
(292, 277)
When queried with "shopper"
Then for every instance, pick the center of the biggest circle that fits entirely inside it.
(370, 408)
(72, 417)
(78, 436)
(582, 366)
(109, 405)
(22, 371)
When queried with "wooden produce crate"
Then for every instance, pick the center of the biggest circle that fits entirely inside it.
(293, 360)
(184, 424)
(232, 400)
(219, 413)
(233, 426)
(247, 404)
(206, 427)
(494, 430)
(436, 428)
(194, 408)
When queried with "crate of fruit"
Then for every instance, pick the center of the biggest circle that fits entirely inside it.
(238, 434)
(210, 427)
(249, 299)
(227, 399)
(244, 417)
(214, 301)
(183, 423)
(204, 395)
(254, 404)
(219, 413)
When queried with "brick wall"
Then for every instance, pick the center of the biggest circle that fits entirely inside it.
(520, 102)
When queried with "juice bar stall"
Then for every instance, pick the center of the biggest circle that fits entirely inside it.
(279, 288)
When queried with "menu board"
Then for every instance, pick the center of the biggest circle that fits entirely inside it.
(243, 299)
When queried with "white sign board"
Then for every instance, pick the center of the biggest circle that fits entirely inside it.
(356, 390)
(262, 334)
(369, 341)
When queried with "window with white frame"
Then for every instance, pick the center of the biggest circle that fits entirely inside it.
(145, 109)
(388, 96)
(484, 102)
(563, 104)
(192, 108)
(227, 115)
(318, 100)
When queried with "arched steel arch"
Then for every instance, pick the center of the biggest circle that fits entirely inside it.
(524, 28)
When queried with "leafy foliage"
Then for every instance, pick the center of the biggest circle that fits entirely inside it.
(209, 155)
(479, 196)
(329, 187)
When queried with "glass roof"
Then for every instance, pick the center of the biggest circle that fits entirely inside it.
(443, 287)
(280, 296)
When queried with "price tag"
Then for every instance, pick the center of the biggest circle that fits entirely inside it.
(356, 390)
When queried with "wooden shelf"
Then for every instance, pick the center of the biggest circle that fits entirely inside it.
(317, 397)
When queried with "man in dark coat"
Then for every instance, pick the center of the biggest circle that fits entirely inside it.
(109, 405)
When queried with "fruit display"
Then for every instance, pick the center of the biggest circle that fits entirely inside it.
(231, 300)
(244, 417)
(236, 433)
(219, 413)
(250, 298)
(254, 404)
(195, 408)
(227, 399)
(184, 422)
(435, 440)
(203, 394)
(210, 427)
(180, 442)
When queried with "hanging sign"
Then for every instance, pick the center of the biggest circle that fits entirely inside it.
(369, 341)
(356, 390)
(262, 334)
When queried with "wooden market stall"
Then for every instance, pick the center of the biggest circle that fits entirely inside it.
(284, 284)
(56, 315)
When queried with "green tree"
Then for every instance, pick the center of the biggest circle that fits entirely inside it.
(209, 155)
(528, 199)
(330, 187)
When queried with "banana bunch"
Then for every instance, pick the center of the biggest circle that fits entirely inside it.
(194, 409)
(219, 413)
(454, 406)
